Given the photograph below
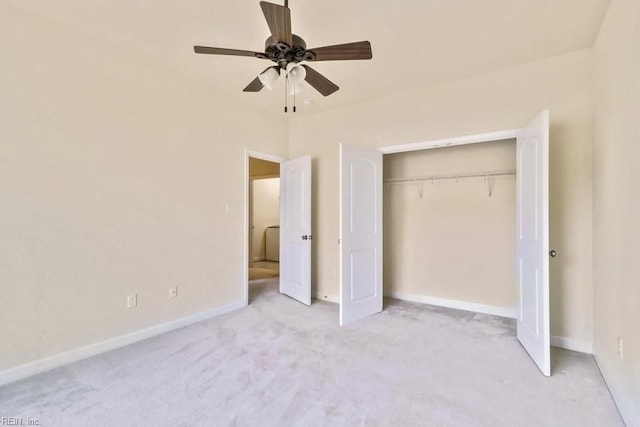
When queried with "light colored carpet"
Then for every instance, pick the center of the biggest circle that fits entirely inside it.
(278, 362)
(261, 273)
(264, 270)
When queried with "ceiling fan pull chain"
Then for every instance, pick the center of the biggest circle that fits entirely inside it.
(294, 99)
(286, 83)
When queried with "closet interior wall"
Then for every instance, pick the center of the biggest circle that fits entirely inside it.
(451, 238)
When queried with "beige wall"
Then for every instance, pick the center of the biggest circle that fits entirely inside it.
(501, 100)
(115, 178)
(265, 211)
(455, 241)
(616, 175)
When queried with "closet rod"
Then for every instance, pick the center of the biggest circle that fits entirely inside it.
(450, 176)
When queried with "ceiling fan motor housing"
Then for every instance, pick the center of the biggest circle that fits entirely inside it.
(283, 54)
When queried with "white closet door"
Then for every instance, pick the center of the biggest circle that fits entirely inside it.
(295, 229)
(533, 240)
(360, 233)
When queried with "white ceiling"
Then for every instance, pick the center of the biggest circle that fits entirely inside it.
(415, 43)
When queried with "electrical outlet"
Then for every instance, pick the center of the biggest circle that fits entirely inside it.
(620, 347)
(173, 292)
(132, 300)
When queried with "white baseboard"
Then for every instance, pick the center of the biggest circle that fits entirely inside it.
(556, 341)
(629, 411)
(57, 360)
(451, 303)
(572, 344)
(327, 297)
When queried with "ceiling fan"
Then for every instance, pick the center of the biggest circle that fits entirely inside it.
(288, 50)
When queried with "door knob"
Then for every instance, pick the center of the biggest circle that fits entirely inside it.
(553, 253)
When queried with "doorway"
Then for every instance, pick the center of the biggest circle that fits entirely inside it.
(262, 221)
(286, 237)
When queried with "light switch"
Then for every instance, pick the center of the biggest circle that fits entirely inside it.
(231, 210)
(132, 300)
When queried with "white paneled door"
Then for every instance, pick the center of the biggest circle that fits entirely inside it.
(532, 255)
(295, 229)
(360, 233)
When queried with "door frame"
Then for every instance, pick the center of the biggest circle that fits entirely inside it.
(247, 182)
(449, 142)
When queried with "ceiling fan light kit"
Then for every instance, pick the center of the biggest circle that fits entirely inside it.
(269, 77)
(288, 51)
(296, 73)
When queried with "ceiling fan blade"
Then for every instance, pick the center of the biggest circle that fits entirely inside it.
(254, 86)
(232, 52)
(322, 84)
(279, 21)
(340, 52)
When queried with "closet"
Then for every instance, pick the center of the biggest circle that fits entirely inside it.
(449, 226)
(463, 256)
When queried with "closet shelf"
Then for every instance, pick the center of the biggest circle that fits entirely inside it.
(450, 176)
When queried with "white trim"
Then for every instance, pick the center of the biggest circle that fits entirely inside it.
(447, 142)
(629, 411)
(265, 156)
(572, 344)
(57, 360)
(556, 341)
(451, 303)
(245, 256)
(327, 297)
